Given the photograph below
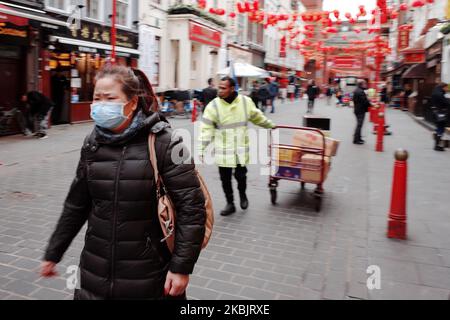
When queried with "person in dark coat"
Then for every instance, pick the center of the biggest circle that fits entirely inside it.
(312, 92)
(264, 96)
(40, 108)
(209, 93)
(441, 110)
(114, 192)
(362, 104)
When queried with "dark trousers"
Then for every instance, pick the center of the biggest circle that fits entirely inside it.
(360, 122)
(240, 173)
(310, 105)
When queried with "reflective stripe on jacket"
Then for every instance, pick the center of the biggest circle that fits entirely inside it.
(227, 126)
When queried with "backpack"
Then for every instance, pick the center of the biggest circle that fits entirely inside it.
(166, 209)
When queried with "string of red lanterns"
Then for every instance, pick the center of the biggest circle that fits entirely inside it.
(373, 48)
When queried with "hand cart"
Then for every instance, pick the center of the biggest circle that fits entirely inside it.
(297, 165)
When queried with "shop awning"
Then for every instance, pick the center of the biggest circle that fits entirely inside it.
(417, 71)
(31, 14)
(95, 45)
(247, 70)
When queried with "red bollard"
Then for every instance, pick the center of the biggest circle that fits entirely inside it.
(380, 133)
(397, 215)
(292, 97)
(194, 110)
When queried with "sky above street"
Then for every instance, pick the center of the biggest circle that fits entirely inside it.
(351, 6)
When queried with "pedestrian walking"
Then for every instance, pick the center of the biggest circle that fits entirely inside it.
(273, 90)
(441, 112)
(226, 123)
(329, 94)
(361, 107)
(312, 92)
(254, 93)
(40, 108)
(115, 192)
(209, 93)
(264, 96)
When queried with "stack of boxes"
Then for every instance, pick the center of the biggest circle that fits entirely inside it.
(295, 164)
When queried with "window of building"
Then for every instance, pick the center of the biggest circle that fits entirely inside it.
(61, 5)
(93, 9)
(157, 55)
(123, 12)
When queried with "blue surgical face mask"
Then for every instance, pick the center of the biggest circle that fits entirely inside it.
(108, 115)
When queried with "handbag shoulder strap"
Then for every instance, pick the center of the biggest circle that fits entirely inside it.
(154, 160)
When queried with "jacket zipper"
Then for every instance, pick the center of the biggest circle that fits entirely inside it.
(113, 242)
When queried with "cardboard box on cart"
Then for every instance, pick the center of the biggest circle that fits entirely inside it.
(314, 162)
(311, 139)
(285, 159)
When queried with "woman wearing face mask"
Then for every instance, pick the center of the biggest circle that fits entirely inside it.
(114, 191)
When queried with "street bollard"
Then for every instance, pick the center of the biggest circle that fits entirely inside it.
(292, 97)
(397, 215)
(194, 110)
(380, 133)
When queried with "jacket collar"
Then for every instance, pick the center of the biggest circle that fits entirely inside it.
(154, 123)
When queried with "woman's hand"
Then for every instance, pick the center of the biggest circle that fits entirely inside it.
(176, 284)
(48, 269)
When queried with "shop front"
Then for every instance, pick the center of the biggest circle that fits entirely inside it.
(16, 66)
(70, 62)
(194, 51)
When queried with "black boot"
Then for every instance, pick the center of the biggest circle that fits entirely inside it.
(438, 146)
(244, 201)
(228, 210)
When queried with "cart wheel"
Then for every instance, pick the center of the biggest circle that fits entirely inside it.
(303, 185)
(273, 196)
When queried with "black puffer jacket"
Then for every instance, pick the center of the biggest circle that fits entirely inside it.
(360, 101)
(114, 191)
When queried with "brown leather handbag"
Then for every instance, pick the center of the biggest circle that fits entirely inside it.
(166, 209)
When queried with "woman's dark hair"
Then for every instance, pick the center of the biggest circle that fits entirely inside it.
(134, 83)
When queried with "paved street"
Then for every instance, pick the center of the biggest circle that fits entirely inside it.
(286, 251)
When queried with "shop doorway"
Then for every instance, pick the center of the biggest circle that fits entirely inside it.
(60, 95)
(11, 88)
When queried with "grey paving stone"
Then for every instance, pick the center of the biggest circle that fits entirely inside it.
(49, 294)
(258, 294)
(249, 282)
(199, 293)
(214, 274)
(20, 287)
(222, 286)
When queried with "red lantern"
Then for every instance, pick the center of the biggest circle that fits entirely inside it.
(348, 15)
(394, 14)
(240, 7)
(332, 30)
(403, 7)
(201, 4)
(418, 4)
(256, 5)
(212, 10)
(430, 1)
(352, 21)
(362, 9)
(363, 14)
(338, 22)
(247, 6)
(232, 15)
(336, 14)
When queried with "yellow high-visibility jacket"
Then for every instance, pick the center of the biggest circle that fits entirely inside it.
(227, 126)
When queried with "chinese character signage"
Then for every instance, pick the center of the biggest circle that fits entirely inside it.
(92, 32)
(403, 39)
